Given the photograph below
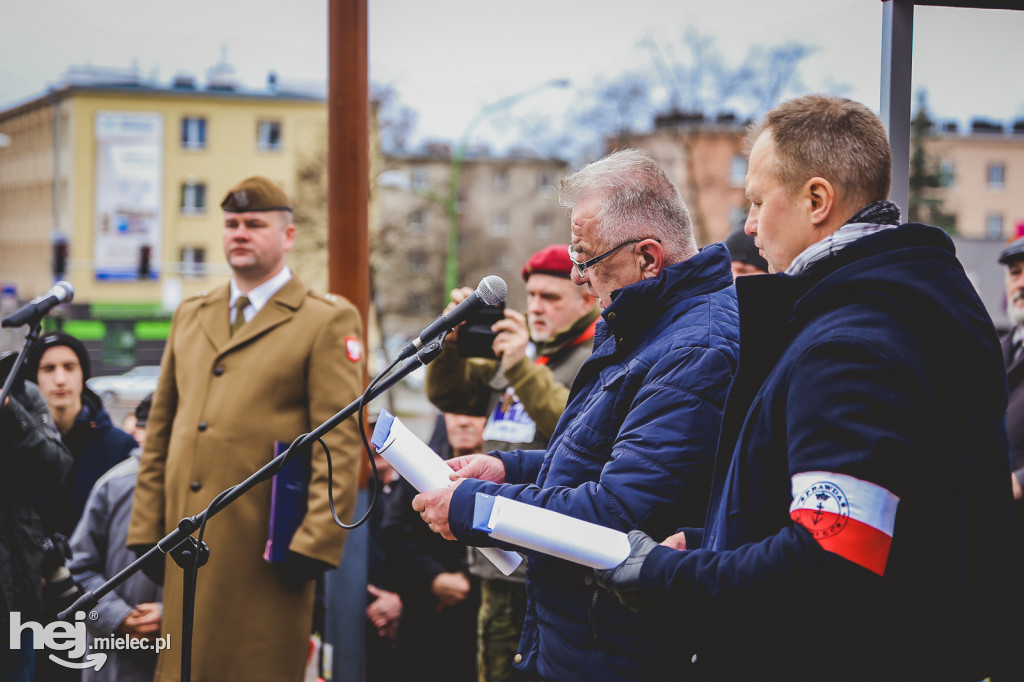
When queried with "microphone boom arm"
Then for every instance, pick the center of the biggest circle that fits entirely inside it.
(190, 524)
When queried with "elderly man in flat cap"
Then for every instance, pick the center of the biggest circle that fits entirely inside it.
(256, 362)
(1013, 258)
(522, 394)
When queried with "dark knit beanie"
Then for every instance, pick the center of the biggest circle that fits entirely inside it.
(57, 339)
(742, 250)
(142, 410)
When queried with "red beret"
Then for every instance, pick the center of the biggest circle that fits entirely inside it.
(551, 260)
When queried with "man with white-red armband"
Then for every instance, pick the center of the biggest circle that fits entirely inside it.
(859, 523)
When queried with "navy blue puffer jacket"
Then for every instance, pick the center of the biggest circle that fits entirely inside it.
(633, 449)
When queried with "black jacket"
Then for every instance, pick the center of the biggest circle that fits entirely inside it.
(35, 462)
(878, 370)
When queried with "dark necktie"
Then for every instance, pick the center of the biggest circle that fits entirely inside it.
(241, 303)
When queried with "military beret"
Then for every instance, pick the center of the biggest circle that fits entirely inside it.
(742, 249)
(255, 194)
(551, 260)
(1013, 251)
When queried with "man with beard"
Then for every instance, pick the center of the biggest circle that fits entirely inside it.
(1013, 258)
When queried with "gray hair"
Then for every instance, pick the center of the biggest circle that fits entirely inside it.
(637, 201)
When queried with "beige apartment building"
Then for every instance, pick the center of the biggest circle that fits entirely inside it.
(125, 177)
(705, 158)
(508, 209)
(983, 171)
(983, 177)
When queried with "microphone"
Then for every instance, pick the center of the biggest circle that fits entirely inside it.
(33, 311)
(491, 291)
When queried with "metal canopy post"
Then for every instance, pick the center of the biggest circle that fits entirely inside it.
(897, 62)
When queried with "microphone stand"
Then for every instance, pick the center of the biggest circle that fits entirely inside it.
(34, 330)
(186, 550)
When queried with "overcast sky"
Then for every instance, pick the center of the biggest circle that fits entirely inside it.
(448, 58)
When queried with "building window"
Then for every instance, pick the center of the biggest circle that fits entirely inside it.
(269, 136)
(994, 176)
(193, 133)
(545, 182)
(501, 179)
(417, 222)
(193, 261)
(994, 226)
(947, 173)
(419, 178)
(193, 197)
(417, 303)
(738, 170)
(500, 224)
(417, 261)
(542, 226)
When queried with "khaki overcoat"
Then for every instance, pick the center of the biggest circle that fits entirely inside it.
(221, 403)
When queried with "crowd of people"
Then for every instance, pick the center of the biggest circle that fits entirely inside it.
(805, 432)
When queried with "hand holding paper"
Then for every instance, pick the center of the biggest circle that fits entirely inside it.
(422, 467)
(483, 467)
(433, 508)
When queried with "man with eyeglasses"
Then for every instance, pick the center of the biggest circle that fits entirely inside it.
(634, 447)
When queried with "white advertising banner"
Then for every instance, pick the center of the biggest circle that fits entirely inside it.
(129, 169)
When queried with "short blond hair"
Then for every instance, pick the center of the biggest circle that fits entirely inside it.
(830, 137)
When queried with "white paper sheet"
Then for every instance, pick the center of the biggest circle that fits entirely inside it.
(425, 470)
(549, 532)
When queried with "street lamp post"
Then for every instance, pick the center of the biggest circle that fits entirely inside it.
(451, 202)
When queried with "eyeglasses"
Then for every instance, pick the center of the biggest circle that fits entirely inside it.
(581, 268)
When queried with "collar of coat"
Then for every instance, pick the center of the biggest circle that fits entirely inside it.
(214, 319)
(570, 335)
(638, 307)
(910, 272)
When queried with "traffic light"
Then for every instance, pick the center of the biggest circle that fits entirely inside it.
(144, 253)
(60, 259)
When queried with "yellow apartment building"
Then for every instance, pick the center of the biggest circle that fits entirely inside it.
(114, 185)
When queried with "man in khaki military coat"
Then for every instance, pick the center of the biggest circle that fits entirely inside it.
(229, 389)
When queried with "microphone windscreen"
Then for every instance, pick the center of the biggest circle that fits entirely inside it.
(492, 290)
(69, 291)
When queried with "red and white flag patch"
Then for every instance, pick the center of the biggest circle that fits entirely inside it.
(353, 348)
(847, 516)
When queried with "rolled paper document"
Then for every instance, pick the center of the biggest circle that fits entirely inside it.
(549, 532)
(425, 470)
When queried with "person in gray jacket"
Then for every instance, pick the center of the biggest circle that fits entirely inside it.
(99, 552)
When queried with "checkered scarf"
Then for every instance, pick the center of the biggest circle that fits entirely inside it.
(881, 215)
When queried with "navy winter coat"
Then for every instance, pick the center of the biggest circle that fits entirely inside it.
(878, 369)
(633, 449)
(96, 446)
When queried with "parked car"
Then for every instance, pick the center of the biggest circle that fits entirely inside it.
(132, 386)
